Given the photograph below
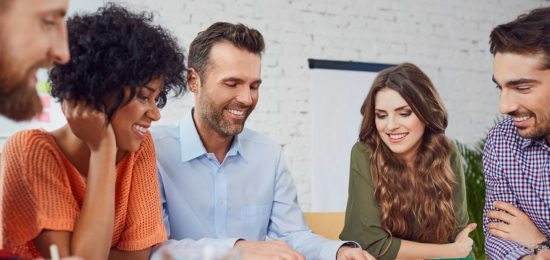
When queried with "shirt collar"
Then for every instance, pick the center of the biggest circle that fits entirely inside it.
(191, 145)
(526, 142)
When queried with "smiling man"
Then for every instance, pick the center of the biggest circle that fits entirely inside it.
(33, 35)
(516, 158)
(225, 186)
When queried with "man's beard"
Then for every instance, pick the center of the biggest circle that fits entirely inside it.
(18, 100)
(213, 116)
(540, 129)
(22, 103)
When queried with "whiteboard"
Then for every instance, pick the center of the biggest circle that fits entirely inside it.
(337, 93)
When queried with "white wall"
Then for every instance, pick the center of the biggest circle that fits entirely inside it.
(448, 39)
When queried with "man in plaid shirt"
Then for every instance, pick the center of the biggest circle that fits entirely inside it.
(516, 158)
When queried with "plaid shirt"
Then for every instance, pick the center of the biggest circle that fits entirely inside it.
(517, 171)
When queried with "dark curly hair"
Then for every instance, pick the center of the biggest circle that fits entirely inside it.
(114, 48)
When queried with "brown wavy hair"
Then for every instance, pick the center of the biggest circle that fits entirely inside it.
(417, 197)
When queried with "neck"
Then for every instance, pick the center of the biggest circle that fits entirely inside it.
(76, 150)
(213, 142)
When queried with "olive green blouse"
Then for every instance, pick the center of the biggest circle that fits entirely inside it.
(363, 223)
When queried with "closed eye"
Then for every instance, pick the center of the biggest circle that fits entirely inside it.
(380, 116)
(523, 88)
(406, 114)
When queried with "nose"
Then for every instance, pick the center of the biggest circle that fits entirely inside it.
(391, 123)
(507, 104)
(245, 96)
(153, 113)
(59, 52)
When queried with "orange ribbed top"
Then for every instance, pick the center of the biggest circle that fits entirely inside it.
(43, 190)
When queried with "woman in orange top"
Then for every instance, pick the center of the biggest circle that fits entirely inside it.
(91, 187)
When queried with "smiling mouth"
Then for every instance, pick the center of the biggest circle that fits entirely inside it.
(140, 128)
(397, 137)
(236, 112)
(520, 118)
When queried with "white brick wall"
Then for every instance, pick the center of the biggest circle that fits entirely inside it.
(447, 39)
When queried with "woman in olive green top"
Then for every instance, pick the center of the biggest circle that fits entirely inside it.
(407, 196)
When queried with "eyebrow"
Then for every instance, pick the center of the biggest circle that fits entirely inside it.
(397, 109)
(149, 88)
(516, 82)
(259, 81)
(61, 12)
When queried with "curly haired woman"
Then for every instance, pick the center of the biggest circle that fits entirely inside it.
(91, 187)
(407, 197)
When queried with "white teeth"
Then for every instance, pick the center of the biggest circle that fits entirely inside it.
(397, 136)
(140, 128)
(520, 119)
(236, 112)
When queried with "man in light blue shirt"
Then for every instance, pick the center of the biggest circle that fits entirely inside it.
(223, 185)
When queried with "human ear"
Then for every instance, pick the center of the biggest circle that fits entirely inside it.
(193, 80)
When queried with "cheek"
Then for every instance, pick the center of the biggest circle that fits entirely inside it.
(380, 125)
(417, 126)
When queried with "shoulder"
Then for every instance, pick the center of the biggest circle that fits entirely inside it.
(162, 132)
(505, 131)
(360, 152)
(359, 161)
(360, 148)
(255, 141)
(29, 142)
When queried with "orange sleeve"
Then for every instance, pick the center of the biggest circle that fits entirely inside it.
(144, 226)
(36, 195)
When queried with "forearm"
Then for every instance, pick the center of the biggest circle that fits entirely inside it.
(93, 230)
(116, 254)
(411, 249)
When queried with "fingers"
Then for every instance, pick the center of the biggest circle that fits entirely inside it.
(508, 208)
(268, 250)
(501, 215)
(367, 255)
(500, 234)
(464, 233)
(469, 228)
(500, 226)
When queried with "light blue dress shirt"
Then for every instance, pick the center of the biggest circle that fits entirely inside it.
(250, 195)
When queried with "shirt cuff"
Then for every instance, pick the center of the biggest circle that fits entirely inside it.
(518, 253)
(330, 250)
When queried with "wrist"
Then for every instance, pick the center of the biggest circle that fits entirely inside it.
(544, 245)
(451, 250)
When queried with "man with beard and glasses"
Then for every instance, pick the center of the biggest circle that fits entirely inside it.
(516, 159)
(33, 35)
(224, 186)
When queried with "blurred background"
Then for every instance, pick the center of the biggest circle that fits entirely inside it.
(446, 39)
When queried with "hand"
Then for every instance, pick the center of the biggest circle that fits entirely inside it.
(88, 124)
(267, 250)
(542, 255)
(352, 253)
(463, 243)
(515, 225)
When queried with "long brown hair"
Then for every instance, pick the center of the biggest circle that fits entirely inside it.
(418, 198)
